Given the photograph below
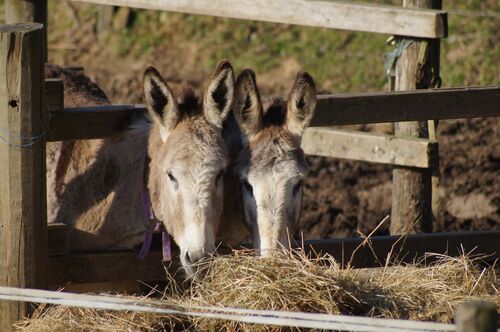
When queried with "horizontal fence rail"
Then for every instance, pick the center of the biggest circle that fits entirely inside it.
(356, 145)
(104, 267)
(400, 106)
(124, 265)
(339, 109)
(91, 122)
(407, 249)
(54, 92)
(392, 20)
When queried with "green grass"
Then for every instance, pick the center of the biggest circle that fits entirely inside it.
(339, 60)
(343, 60)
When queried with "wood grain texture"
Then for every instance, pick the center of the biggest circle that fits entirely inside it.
(23, 224)
(21, 11)
(337, 109)
(104, 267)
(411, 187)
(435, 173)
(91, 122)
(104, 21)
(319, 13)
(408, 248)
(122, 266)
(54, 93)
(416, 105)
(476, 316)
(58, 241)
(356, 145)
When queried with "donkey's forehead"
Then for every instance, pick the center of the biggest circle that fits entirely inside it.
(194, 142)
(274, 150)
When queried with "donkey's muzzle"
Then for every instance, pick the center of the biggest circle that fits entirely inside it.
(194, 256)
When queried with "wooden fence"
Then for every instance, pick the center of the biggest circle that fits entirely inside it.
(424, 23)
(64, 267)
(25, 241)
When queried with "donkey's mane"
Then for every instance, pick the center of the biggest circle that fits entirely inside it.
(274, 112)
(189, 103)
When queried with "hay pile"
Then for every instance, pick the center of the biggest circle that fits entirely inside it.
(294, 282)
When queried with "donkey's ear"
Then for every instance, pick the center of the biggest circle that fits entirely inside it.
(160, 101)
(247, 104)
(301, 104)
(219, 94)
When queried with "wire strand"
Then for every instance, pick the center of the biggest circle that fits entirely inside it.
(31, 140)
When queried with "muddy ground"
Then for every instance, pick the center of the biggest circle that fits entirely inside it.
(342, 197)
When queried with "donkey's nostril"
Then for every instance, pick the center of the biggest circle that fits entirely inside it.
(185, 258)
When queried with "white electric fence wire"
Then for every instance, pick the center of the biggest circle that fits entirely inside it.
(281, 318)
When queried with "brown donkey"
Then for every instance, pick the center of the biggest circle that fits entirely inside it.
(178, 154)
(188, 159)
(271, 165)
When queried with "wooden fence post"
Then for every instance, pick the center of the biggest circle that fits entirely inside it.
(23, 211)
(476, 317)
(20, 11)
(104, 21)
(412, 187)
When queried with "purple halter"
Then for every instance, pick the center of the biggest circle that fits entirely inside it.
(148, 236)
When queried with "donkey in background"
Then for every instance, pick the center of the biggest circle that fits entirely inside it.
(270, 165)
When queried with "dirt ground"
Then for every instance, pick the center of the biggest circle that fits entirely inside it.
(344, 196)
(341, 197)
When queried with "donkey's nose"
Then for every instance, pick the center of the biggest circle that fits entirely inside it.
(195, 255)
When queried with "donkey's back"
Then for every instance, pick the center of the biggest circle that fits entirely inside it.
(92, 185)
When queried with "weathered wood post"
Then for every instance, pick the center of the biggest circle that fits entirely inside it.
(476, 317)
(412, 187)
(23, 211)
(104, 20)
(19, 11)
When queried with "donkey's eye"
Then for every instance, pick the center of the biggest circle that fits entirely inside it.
(248, 187)
(219, 176)
(297, 188)
(173, 180)
(171, 177)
